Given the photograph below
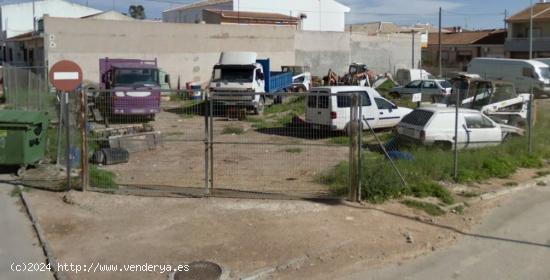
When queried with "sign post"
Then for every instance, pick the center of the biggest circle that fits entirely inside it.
(66, 76)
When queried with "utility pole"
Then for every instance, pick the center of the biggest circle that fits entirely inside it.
(412, 64)
(505, 17)
(439, 56)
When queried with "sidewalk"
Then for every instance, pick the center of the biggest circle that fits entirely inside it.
(19, 243)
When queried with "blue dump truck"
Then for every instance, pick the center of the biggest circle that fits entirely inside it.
(242, 80)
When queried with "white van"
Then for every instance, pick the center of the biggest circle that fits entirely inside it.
(523, 73)
(405, 76)
(329, 107)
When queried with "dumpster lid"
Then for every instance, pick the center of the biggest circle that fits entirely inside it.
(21, 117)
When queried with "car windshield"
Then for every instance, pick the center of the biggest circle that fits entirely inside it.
(136, 77)
(235, 74)
(445, 84)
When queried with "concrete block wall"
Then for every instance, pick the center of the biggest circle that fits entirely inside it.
(183, 50)
(189, 51)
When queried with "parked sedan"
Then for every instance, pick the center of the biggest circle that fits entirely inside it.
(434, 126)
(431, 87)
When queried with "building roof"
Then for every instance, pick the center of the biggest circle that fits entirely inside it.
(109, 15)
(254, 17)
(200, 4)
(482, 37)
(540, 11)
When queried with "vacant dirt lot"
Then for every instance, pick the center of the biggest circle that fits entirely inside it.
(282, 160)
(290, 239)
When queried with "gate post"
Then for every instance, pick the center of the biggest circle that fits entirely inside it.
(354, 150)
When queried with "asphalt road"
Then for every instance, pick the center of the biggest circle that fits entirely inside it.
(18, 241)
(512, 242)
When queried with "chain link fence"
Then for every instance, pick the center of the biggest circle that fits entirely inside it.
(327, 143)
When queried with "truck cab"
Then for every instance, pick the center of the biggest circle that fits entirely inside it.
(242, 80)
(129, 87)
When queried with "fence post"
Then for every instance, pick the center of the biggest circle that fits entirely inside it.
(353, 162)
(206, 143)
(457, 105)
(84, 141)
(530, 123)
(211, 146)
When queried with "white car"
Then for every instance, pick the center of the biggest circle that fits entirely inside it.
(430, 87)
(435, 126)
(329, 107)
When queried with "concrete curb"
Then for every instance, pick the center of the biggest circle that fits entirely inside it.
(41, 236)
(500, 193)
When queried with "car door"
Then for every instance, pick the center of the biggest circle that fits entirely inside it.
(318, 108)
(388, 113)
(369, 112)
(481, 131)
(430, 88)
(412, 87)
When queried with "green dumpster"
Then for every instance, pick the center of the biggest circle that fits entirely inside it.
(22, 137)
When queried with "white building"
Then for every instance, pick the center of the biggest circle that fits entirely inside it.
(17, 19)
(318, 15)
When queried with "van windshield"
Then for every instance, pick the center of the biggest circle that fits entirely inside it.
(545, 72)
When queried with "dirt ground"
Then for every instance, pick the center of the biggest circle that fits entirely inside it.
(295, 239)
(270, 161)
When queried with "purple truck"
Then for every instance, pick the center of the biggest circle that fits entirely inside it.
(129, 87)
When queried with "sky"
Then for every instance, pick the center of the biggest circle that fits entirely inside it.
(473, 14)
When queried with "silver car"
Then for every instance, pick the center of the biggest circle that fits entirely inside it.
(430, 88)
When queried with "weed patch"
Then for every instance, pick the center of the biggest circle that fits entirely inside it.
(233, 130)
(429, 208)
(102, 179)
(294, 150)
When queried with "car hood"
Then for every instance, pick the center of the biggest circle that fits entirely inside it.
(512, 129)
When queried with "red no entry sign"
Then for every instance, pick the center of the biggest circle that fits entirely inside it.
(65, 75)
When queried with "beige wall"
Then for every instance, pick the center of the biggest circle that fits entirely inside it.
(190, 50)
(185, 50)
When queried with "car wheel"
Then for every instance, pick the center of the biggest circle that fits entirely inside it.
(443, 145)
(259, 109)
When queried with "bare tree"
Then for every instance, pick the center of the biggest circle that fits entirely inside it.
(137, 11)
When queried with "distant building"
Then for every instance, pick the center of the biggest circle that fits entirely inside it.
(232, 17)
(375, 28)
(517, 43)
(17, 19)
(109, 15)
(315, 15)
(459, 48)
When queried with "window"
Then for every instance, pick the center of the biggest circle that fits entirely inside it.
(383, 104)
(323, 102)
(136, 76)
(344, 101)
(545, 72)
(429, 84)
(528, 72)
(414, 84)
(503, 92)
(478, 121)
(418, 117)
(312, 101)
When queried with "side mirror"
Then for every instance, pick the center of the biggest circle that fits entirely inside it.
(260, 76)
(167, 79)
